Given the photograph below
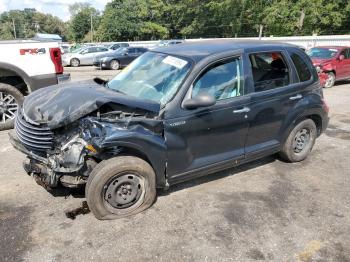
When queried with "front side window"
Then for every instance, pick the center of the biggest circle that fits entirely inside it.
(153, 76)
(222, 80)
(301, 67)
(269, 70)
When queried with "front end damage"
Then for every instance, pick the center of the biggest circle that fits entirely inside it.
(68, 154)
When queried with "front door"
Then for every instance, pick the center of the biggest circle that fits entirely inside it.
(205, 138)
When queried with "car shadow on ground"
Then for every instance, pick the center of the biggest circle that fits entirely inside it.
(83, 209)
(341, 82)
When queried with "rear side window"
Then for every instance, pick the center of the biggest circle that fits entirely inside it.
(301, 67)
(269, 70)
(346, 53)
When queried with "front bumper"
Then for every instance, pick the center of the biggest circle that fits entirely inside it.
(19, 146)
(100, 64)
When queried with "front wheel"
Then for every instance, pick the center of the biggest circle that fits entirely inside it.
(119, 187)
(330, 80)
(300, 141)
(10, 99)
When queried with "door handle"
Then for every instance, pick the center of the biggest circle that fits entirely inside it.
(298, 96)
(243, 110)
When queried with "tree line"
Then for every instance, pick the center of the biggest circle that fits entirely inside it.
(124, 20)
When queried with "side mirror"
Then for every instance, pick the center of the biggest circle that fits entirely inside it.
(341, 57)
(126, 53)
(201, 100)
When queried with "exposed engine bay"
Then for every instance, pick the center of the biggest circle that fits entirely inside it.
(67, 152)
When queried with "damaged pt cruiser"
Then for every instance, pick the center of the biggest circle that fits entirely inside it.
(174, 114)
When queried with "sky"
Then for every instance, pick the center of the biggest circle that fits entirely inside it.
(55, 7)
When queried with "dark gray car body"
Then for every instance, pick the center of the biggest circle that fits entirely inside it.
(180, 143)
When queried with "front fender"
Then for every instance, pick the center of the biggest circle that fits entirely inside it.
(108, 137)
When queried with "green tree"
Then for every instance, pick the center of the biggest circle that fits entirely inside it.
(80, 22)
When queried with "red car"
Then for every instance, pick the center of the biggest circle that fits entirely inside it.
(332, 63)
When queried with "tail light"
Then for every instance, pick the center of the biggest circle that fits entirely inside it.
(55, 54)
(325, 106)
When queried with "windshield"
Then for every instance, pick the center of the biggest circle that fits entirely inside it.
(153, 76)
(323, 53)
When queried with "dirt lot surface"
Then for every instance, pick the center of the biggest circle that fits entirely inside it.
(267, 210)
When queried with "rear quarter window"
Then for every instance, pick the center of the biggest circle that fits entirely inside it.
(301, 66)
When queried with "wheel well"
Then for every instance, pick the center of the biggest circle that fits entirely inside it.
(318, 122)
(13, 79)
(70, 61)
(134, 152)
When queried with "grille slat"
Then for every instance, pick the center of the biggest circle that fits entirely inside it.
(36, 137)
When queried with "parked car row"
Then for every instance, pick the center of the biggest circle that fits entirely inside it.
(112, 56)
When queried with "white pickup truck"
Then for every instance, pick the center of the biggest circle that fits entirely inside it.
(26, 66)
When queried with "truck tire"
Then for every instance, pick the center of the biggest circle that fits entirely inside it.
(74, 62)
(300, 141)
(10, 99)
(119, 187)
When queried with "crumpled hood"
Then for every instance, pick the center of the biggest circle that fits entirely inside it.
(317, 61)
(62, 104)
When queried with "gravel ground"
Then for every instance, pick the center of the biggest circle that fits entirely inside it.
(266, 210)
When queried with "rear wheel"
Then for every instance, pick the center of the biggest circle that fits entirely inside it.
(330, 80)
(74, 62)
(114, 64)
(10, 99)
(300, 141)
(120, 187)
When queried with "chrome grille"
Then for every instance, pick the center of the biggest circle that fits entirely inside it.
(34, 137)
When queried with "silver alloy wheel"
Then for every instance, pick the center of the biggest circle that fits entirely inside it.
(114, 64)
(74, 62)
(330, 80)
(8, 107)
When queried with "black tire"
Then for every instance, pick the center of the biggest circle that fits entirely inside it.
(74, 62)
(106, 175)
(294, 151)
(114, 64)
(330, 80)
(6, 108)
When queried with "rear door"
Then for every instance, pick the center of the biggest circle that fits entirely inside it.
(276, 91)
(204, 138)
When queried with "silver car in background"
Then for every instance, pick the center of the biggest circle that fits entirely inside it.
(83, 56)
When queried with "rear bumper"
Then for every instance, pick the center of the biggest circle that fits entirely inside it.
(40, 81)
(63, 77)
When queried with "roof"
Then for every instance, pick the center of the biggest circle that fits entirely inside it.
(197, 50)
